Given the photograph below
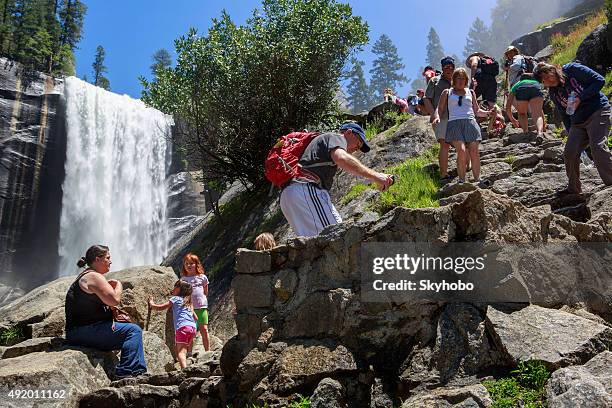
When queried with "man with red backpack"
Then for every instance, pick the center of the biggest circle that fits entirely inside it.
(483, 69)
(305, 199)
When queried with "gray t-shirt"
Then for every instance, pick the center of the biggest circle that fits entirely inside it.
(319, 152)
(515, 70)
(435, 87)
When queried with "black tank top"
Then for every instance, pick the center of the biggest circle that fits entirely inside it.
(84, 308)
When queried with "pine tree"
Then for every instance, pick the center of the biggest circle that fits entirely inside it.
(479, 39)
(161, 60)
(32, 42)
(358, 92)
(386, 71)
(99, 69)
(435, 52)
(6, 25)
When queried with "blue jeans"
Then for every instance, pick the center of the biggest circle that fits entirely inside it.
(109, 335)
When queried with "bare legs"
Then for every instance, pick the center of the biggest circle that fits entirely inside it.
(465, 154)
(537, 113)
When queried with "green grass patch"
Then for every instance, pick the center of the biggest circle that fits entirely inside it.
(11, 335)
(565, 46)
(414, 186)
(525, 387)
(302, 403)
(510, 159)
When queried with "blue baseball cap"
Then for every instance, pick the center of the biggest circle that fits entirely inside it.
(355, 128)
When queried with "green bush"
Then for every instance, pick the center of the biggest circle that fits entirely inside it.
(237, 89)
(10, 335)
(510, 159)
(524, 388)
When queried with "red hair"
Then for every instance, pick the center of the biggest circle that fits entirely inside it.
(193, 258)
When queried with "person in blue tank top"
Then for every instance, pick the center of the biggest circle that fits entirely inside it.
(587, 121)
(183, 316)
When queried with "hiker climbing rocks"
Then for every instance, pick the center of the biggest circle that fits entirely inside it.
(483, 70)
(403, 104)
(587, 119)
(183, 316)
(264, 241)
(517, 66)
(462, 127)
(526, 96)
(434, 90)
(305, 199)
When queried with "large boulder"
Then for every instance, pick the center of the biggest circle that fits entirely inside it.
(593, 51)
(588, 385)
(77, 372)
(555, 337)
(531, 43)
(328, 394)
(473, 396)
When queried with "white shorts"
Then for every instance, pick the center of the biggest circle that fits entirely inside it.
(308, 208)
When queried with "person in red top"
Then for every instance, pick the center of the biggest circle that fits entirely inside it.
(429, 72)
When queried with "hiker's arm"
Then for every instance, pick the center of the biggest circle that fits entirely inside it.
(429, 108)
(98, 285)
(509, 102)
(156, 306)
(349, 163)
(477, 111)
(205, 289)
(473, 68)
(441, 106)
(195, 316)
(592, 80)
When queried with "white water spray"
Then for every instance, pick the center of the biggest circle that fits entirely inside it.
(114, 192)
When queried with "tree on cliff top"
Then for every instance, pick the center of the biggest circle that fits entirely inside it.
(234, 91)
(99, 69)
(41, 34)
(161, 60)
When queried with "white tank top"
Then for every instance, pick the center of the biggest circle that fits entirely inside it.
(464, 111)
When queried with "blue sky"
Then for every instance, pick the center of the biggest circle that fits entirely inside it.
(131, 31)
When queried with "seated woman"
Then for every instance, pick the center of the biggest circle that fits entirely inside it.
(89, 319)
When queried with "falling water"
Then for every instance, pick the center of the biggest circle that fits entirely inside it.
(114, 192)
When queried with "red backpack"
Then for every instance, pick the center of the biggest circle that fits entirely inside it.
(281, 165)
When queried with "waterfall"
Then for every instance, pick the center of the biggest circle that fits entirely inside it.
(114, 192)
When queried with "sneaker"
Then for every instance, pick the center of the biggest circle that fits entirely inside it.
(460, 181)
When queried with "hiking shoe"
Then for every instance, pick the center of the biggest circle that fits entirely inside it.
(567, 191)
(445, 179)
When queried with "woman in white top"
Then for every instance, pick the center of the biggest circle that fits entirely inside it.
(462, 127)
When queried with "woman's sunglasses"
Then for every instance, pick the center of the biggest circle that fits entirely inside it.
(460, 101)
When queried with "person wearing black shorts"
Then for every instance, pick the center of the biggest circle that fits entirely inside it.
(526, 96)
(483, 82)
